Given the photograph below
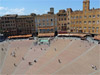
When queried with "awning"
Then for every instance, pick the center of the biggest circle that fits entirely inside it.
(77, 35)
(20, 36)
(97, 37)
(45, 34)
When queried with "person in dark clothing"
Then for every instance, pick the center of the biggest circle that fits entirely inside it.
(35, 61)
(59, 61)
(23, 58)
(15, 65)
(30, 63)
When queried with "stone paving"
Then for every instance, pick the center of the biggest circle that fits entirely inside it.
(63, 56)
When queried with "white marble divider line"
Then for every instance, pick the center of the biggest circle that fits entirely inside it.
(75, 59)
(24, 57)
(5, 57)
(94, 72)
(68, 45)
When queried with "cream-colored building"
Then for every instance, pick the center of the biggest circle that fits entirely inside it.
(46, 24)
(86, 21)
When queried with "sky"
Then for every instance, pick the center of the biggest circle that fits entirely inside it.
(25, 7)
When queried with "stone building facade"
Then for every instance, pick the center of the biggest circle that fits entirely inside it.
(62, 21)
(65, 21)
(86, 21)
(17, 25)
(46, 24)
(25, 24)
(8, 25)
